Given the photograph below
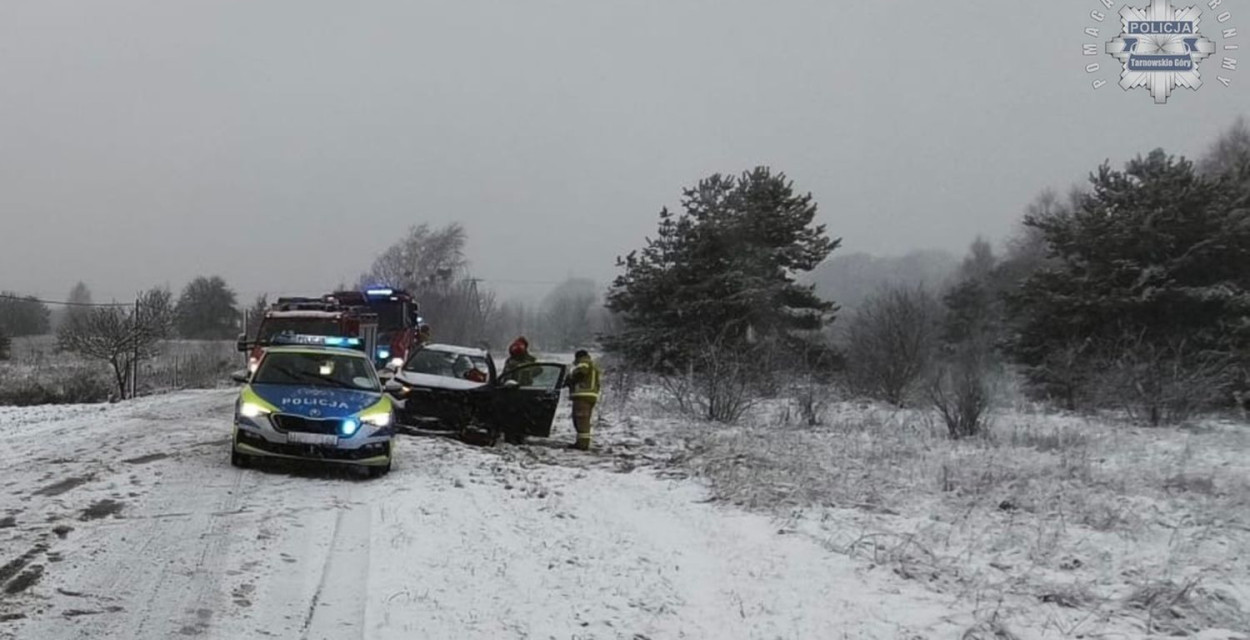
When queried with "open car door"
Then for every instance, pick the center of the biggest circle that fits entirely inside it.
(526, 398)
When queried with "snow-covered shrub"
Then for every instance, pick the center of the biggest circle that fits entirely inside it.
(961, 391)
(62, 385)
(891, 342)
(189, 365)
(720, 384)
(1161, 382)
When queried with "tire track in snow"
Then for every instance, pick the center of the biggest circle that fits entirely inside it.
(467, 543)
(338, 606)
(162, 560)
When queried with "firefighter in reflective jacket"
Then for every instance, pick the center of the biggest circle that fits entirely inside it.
(583, 383)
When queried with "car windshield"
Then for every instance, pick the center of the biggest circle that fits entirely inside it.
(317, 370)
(271, 327)
(448, 364)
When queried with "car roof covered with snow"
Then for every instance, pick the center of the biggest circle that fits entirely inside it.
(451, 348)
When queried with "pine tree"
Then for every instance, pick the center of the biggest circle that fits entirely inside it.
(722, 273)
(1156, 256)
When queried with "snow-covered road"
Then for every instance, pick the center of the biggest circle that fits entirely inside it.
(127, 521)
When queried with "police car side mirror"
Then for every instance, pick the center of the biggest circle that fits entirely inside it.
(392, 386)
(240, 376)
(240, 343)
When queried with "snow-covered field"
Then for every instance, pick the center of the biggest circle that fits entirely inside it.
(127, 521)
(38, 372)
(1054, 525)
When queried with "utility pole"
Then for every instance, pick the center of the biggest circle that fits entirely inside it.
(134, 365)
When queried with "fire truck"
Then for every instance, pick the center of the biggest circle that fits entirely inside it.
(291, 317)
(398, 320)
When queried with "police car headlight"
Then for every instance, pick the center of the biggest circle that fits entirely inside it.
(379, 419)
(349, 427)
(252, 410)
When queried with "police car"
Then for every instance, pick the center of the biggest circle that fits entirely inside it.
(317, 398)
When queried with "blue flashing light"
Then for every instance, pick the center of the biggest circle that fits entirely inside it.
(380, 292)
(349, 427)
(337, 341)
(384, 354)
(327, 341)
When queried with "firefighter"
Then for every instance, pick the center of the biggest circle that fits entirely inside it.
(583, 384)
(519, 354)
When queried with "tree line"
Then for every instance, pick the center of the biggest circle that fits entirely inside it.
(1131, 292)
(206, 310)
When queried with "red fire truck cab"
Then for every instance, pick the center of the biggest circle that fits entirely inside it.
(309, 317)
(398, 319)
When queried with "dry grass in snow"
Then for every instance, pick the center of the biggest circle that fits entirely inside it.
(1051, 526)
(39, 373)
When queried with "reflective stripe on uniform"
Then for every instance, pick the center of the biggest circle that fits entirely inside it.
(586, 388)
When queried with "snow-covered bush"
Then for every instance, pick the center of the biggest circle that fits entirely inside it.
(961, 391)
(69, 385)
(891, 342)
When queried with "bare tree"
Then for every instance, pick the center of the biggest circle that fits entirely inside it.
(425, 259)
(566, 313)
(891, 341)
(1229, 155)
(509, 320)
(809, 379)
(430, 263)
(719, 383)
(460, 312)
(960, 390)
(253, 315)
(119, 335)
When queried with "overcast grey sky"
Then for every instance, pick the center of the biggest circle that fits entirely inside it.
(282, 143)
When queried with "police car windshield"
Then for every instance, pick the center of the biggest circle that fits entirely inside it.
(316, 370)
(271, 327)
(447, 364)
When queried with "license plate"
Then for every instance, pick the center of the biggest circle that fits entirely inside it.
(312, 438)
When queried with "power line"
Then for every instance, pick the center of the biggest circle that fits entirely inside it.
(64, 303)
(509, 281)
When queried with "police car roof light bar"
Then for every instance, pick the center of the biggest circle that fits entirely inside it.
(314, 340)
